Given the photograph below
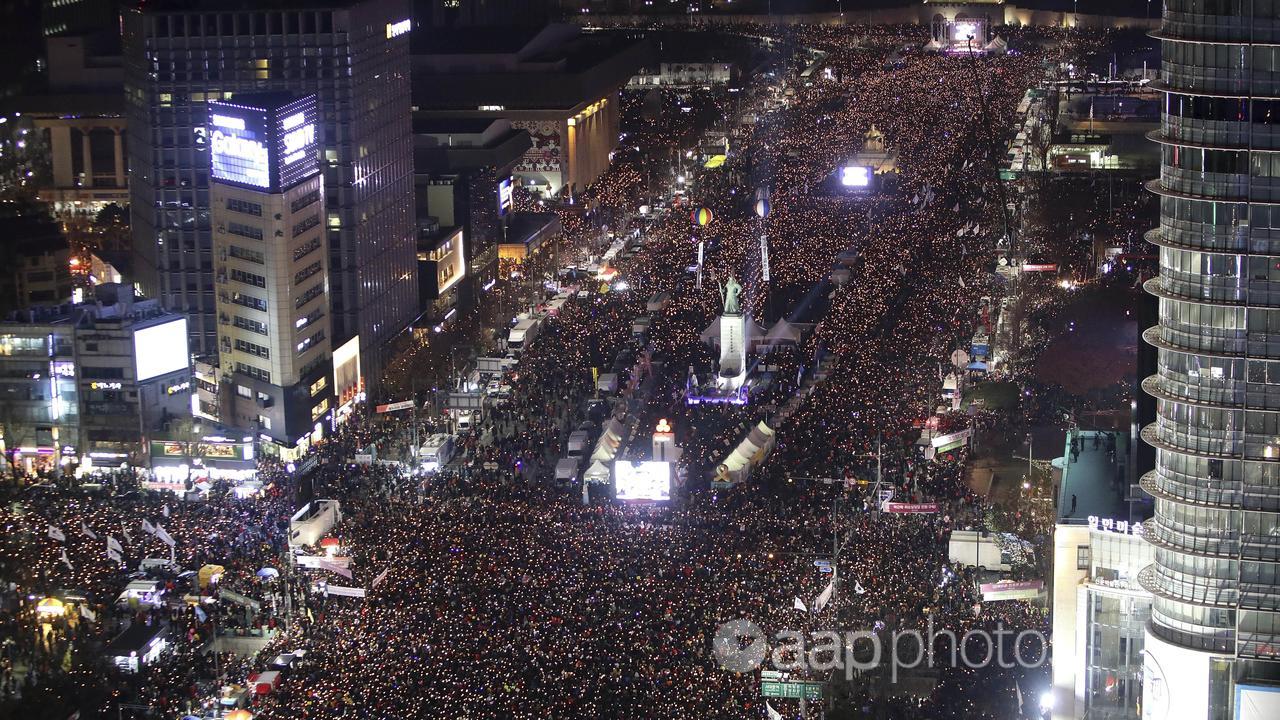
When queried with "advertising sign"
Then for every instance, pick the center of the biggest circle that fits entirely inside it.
(504, 196)
(393, 407)
(238, 145)
(264, 142)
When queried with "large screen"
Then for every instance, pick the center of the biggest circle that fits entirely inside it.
(644, 480)
(297, 147)
(161, 349)
(504, 196)
(855, 176)
(238, 145)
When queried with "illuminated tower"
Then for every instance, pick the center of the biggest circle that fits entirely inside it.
(271, 273)
(1214, 630)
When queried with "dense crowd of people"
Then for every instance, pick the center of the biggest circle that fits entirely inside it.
(500, 595)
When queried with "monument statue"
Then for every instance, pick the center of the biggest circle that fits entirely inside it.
(729, 293)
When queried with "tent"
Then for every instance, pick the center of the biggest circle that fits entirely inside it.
(782, 333)
(752, 332)
(749, 453)
(997, 45)
(597, 473)
(933, 45)
(609, 442)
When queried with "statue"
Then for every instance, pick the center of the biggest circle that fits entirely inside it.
(729, 293)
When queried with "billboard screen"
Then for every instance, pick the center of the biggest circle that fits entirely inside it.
(504, 196)
(264, 142)
(160, 349)
(238, 145)
(856, 176)
(642, 480)
(296, 145)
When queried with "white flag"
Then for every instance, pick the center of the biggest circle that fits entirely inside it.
(88, 614)
(799, 605)
(381, 576)
(821, 601)
(66, 560)
(125, 531)
(857, 587)
(56, 534)
(114, 555)
(114, 544)
(164, 536)
(84, 530)
(165, 510)
(773, 714)
(147, 527)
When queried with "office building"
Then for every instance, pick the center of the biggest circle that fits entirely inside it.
(464, 194)
(353, 55)
(271, 272)
(35, 260)
(91, 383)
(559, 84)
(1213, 641)
(1100, 610)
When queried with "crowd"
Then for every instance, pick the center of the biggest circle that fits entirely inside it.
(499, 595)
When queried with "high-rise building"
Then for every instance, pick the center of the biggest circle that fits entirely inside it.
(271, 273)
(353, 55)
(1214, 635)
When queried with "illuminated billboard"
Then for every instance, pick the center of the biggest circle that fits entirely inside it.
(504, 196)
(160, 349)
(855, 176)
(264, 142)
(642, 480)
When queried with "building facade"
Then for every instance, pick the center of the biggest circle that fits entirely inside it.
(90, 384)
(353, 55)
(1214, 632)
(271, 272)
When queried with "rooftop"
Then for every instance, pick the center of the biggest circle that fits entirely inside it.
(1096, 484)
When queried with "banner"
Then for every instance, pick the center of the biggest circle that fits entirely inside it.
(1011, 590)
(313, 561)
(147, 527)
(911, 508)
(84, 530)
(393, 407)
(57, 534)
(381, 576)
(164, 536)
(344, 591)
(334, 568)
(114, 544)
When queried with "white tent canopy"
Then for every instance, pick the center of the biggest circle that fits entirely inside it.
(609, 442)
(749, 453)
(597, 473)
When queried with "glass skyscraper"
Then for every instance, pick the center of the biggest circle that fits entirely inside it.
(354, 56)
(1215, 622)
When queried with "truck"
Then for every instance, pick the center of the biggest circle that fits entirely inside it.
(658, 302)
(607, 383)
(972, 548)
(494, 365)
(522, 334)
(436, 452)
(578, 441)
(567, 468)
(640, 326)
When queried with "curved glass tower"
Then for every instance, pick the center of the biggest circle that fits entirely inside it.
(1216, 530)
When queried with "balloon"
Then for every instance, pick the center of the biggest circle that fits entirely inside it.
(702, 217)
